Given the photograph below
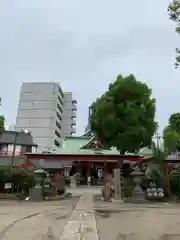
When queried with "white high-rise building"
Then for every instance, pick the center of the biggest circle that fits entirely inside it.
(47, 112)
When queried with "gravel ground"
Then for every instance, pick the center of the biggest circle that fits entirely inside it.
(137, 222)
(30, 220)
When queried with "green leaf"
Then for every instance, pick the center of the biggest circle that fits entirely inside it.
(123, 117)
(174, 15)
(171, 133)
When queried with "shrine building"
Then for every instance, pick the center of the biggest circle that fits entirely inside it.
(82, 155)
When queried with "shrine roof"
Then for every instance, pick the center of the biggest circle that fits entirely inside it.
(75, 145)
(78, 145)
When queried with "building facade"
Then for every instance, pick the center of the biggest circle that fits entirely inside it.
(13, 146)
(47, 112)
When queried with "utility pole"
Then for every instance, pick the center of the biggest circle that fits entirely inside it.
(158, 137)
(14, 148)
(15, 143)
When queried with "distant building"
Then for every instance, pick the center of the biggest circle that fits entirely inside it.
(47, 112)
(23, 143)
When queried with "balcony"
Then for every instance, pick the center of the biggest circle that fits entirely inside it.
(74, 102)
(73, 114)
(59, 107)
(58, 125)
(56, 143)
(72, 132)
(74, 108)
(73, 121)
(73, 125)
(58, 116)
(57, 134)
(60, 100)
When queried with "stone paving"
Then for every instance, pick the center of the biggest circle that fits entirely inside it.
(86, 218)
(138, 222)
(82, 223)
(40, 221)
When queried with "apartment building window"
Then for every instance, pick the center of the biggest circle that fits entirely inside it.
(58, 125)
(60, 91)
(60, 109)
(74, 108)
(59, 116)
(60, 100)
(26, 149)
(4, 148)
(56, 143)
(57, 134)
(74, 102)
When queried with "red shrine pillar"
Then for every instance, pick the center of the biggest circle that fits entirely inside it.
(26, 161)
(138, 162)
(167, 178)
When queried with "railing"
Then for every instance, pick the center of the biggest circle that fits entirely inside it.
(10, 153)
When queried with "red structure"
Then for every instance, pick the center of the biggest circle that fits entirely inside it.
(84, 158)
(172, 160)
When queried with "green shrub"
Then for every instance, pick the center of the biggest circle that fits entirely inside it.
(175, 185)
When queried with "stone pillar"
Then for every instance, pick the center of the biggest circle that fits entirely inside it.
(117, 185)
(73, 181)
(138, 195)
(37, 192)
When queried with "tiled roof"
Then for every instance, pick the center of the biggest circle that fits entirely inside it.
(146, 152)
(8, 137)
(73, 145)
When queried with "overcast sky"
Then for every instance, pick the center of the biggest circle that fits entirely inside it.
(84, 45)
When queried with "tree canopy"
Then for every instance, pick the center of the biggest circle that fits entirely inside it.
(174, 14)
(1, 121)
(123, 117)
(171, 133)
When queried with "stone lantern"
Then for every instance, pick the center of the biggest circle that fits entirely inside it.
(138, 194)
(37, 192)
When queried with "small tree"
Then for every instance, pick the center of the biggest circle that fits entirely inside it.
(171, 133)
(123, 117)
(174, 14)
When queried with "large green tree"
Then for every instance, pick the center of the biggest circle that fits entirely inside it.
(1, 121)
(171, 133)
(174, 14)
(123, 117)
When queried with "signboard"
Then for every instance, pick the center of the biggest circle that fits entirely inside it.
(8, 185)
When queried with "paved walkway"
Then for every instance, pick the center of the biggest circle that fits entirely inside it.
(30, 221)
(74, 219)
(82, 223)
(138, 222)
(79, 190)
